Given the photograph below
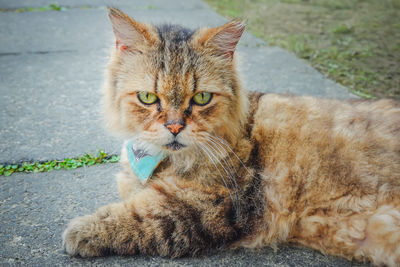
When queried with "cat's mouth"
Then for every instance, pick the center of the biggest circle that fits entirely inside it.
(175, 145)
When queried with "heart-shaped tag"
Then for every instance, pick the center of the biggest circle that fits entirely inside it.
(142, 162)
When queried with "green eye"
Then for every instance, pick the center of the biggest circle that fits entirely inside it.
(147, 98)
(202, 98)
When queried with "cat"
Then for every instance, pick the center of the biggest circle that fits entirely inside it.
(241, 169)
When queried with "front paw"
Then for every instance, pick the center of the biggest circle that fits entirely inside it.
(79, 239)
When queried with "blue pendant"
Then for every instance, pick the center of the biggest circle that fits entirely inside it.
(142, 162)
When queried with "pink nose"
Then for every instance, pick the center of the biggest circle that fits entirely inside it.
(174, 128)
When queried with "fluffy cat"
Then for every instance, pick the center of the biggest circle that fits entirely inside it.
(242, 169)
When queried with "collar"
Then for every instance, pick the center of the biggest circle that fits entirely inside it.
(143, 163)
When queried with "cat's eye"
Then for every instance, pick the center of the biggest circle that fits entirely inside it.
(147, 97)
(202, 98)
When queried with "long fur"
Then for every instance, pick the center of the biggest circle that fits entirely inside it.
(255, 170)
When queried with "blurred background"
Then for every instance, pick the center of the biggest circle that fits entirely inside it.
(354, 42)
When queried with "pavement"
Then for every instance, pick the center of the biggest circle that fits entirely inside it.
(51, 74)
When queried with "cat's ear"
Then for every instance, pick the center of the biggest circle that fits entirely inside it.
(223, 39)
(130, 35)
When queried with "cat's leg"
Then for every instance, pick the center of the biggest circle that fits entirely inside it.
(370, 235)
(159, 220)
(128, 183)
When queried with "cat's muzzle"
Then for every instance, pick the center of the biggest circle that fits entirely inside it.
(175, 145)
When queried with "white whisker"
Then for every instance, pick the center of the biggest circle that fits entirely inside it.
(232, 181)
(230, 166)
(215, 165)
(218, 160)
(223, 142)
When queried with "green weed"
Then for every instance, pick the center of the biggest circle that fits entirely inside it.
(342, 29)
(51, 7)
(67, 164)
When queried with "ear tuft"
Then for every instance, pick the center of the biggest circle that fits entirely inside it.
(130, 34)
(224, 39)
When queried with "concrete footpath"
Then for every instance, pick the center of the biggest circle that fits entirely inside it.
(51, 73)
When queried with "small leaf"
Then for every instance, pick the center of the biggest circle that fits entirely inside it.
(28, 167)
(114, 159)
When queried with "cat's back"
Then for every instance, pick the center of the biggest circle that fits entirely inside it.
(361, 119)
(337, 140)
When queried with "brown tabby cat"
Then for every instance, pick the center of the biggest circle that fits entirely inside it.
(242, 169)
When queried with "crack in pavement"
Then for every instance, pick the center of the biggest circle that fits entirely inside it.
(36, 52)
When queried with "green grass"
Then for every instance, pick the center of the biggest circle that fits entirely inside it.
(354, 42)
(67, 164)
(51, 7)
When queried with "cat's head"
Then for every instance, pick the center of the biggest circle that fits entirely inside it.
(172, 87)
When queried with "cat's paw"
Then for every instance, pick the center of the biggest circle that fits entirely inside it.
(79, 238)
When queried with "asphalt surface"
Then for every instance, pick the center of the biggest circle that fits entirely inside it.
(52, 65)
(36, 207)
(51, 73)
